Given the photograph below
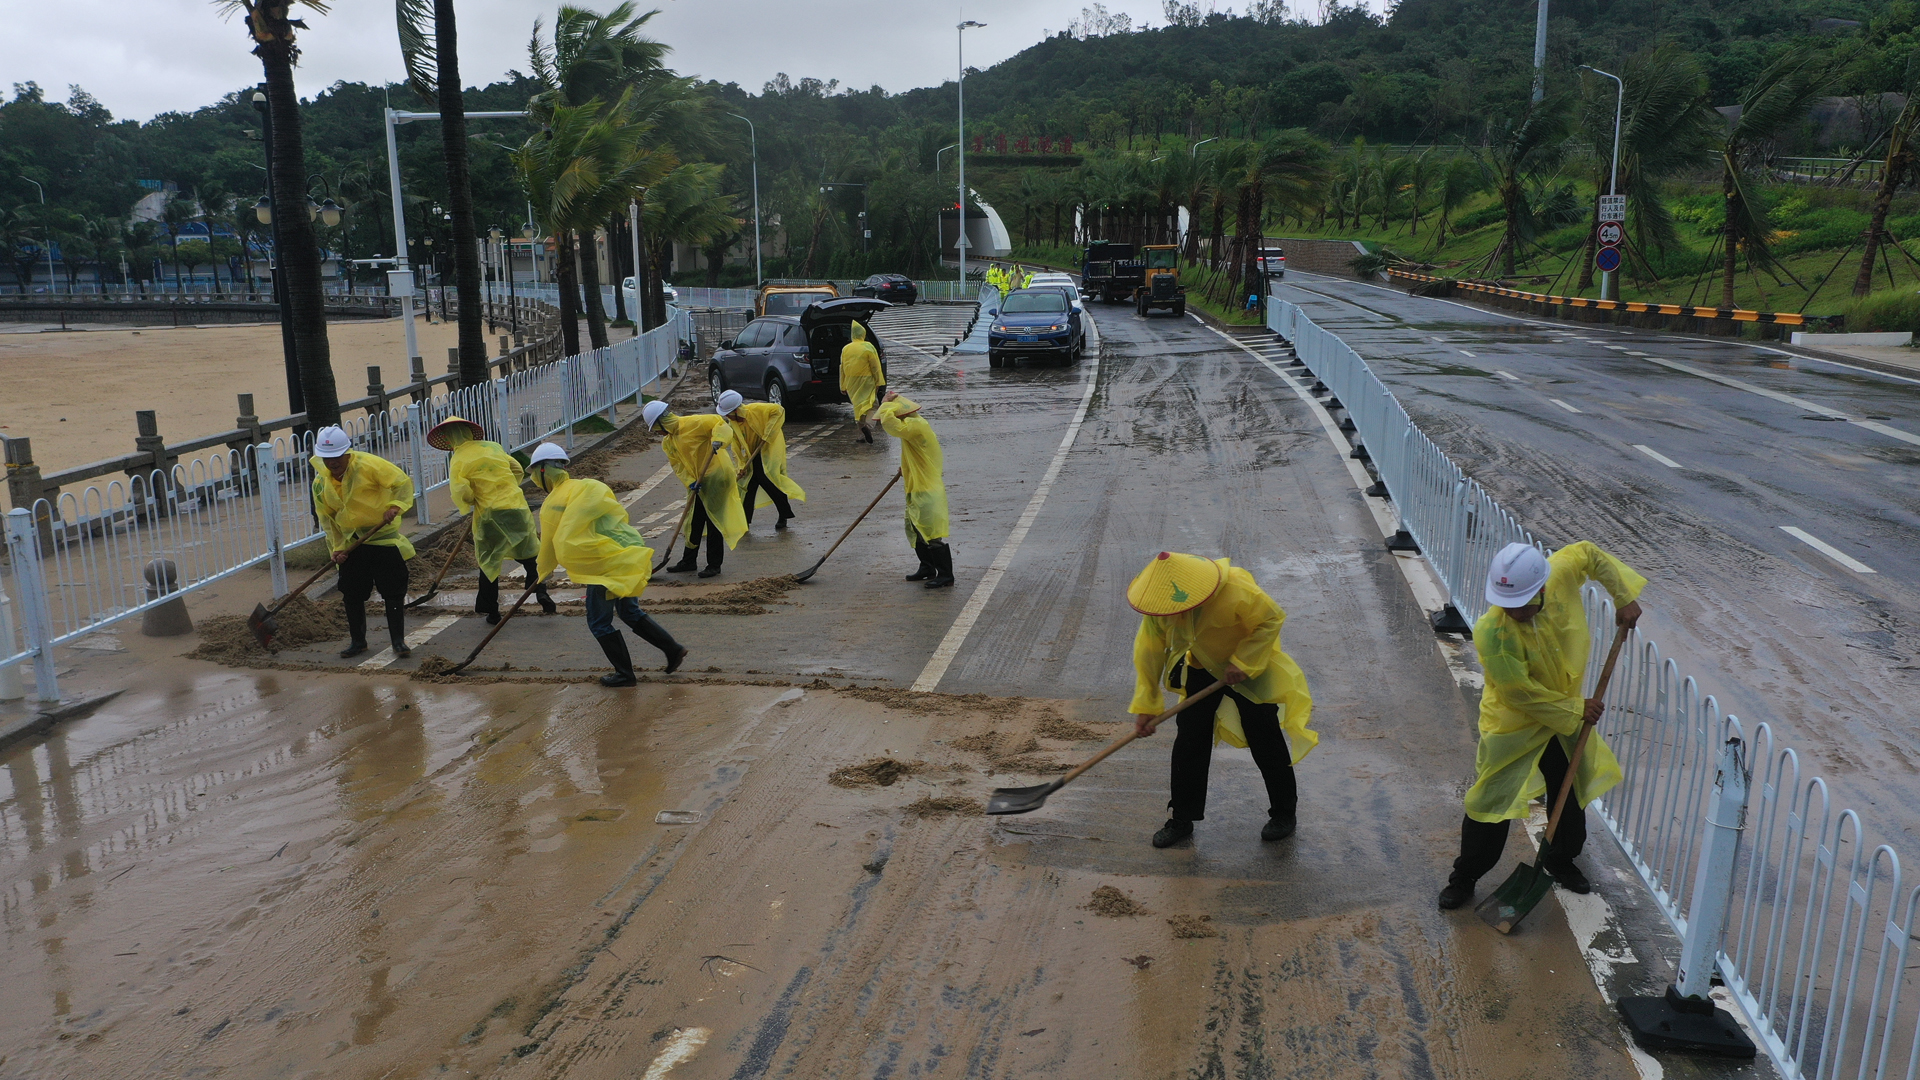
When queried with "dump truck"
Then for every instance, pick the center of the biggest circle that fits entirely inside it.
(1161, 287)
(1110, 271)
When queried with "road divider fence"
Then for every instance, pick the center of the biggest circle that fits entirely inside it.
(1773, 892)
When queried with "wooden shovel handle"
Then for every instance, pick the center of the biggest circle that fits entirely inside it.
(1586, 729)
(448, 565)
(687, 514)
(1183, 703)
(497, 627)
(318, 574)
(863, 516)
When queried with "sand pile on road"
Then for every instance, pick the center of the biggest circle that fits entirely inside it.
(746, 598)
(426, 562)
(934, 806)
(1056, 727)
(594, 466)
(1114, 904)
(880, 771)
(983, 743)
(1193, 926)
(435, 665)
(225, 639)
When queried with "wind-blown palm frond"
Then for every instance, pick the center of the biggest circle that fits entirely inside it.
(1781, 97)
(414, 19)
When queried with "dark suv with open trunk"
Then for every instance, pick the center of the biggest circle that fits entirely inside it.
(794, 359)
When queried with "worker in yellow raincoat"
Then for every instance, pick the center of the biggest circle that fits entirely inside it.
(1204, 620)
(1533, 645)
(862, 378)
(484, 481)
(920, 467)
(584, 528)
(689, 441)
(760, 446)
(358, 495)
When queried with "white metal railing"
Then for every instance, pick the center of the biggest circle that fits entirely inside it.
(1764, 882)
(84, 560)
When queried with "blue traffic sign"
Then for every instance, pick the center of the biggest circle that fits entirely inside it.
(1607, 259)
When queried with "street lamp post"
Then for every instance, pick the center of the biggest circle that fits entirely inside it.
(753, 140)
(960, 94)
(1607, 286)
(296, 395)
(49, 230)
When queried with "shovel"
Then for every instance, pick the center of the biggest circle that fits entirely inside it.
(434, 589)
(809, 571)
(497, 627)
(1531, 882)
(262, 621)
(666, 553)
(1024, 800)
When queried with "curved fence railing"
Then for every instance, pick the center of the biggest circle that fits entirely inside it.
(81, 561)
(1770, 888)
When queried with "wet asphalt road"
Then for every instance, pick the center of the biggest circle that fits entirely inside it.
(1741, 441)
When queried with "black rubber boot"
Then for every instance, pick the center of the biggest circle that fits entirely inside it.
(926, 568)
(397, 629)
(615, 646)
(356, 633)
(547, 606)
(942, 556)
(654, 634)
(1278, 828)
(1174, 831)
(716, 552)
(1455, 895)
(1569, 877)
(689, 561)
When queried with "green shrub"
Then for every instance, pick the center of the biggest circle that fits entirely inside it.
(1892, 310)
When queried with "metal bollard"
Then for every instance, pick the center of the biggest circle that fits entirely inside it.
(416, 439)
(267, 476)
(169, 619)
(1685, 1018)
(11, 688)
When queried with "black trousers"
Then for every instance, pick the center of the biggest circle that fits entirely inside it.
(487, 600)
(1483, 842)
(761, 483)
(703, 525)
(368, 568)
(1193, 752)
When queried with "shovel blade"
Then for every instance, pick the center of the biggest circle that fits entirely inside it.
(422, 598)
(1515, 898)
(809, 571)
(263, 625)
(1020, 800)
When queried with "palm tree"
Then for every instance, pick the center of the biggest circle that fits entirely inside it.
(1460, 179)
(211, 200)
(1778, 99)
(271, 27)
(1285, 168)
(429, 43)
(1516, 153)
(1900, 163)
(177, 212)
(688, 206)
(1423, 172)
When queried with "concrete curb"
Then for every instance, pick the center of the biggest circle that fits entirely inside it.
(39, 723)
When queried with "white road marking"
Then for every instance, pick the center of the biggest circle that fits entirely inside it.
(1657, 456)
(651, 518)
(1463, 352)
(680, 1048)
(1828, 550)
(1508, 375)
(1555, 400)
(949, 646)
(1630, 352)
(414, 640)
(1787, 399)
(653, 481)
(1615, 348)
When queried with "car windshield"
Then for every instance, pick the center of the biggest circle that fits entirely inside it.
(793, 303)
(1025, 303)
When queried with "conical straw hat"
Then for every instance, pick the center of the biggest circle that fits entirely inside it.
(437, 435)
(1173, 583)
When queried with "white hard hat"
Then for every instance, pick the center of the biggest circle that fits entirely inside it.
(547, 451)
(1516, 574)
(652, 412)
(728, 401)
(331, 442)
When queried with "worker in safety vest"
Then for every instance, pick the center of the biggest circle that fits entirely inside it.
(484, 481)
(358, 495)
(584, 528)
(760, 445)
(1533, 646)
(920, 469)
(1205, 620)
(862, 378)
(692, 442)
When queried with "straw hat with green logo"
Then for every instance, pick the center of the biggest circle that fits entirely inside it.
(1173, 583)
(437, 435)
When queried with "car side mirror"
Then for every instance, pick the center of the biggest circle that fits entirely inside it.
(993, 311)
(728, 344)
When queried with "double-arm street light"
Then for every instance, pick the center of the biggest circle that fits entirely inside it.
(960, 93)
(753, 140)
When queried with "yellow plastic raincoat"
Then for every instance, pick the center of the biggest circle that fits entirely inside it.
(356, 502)
(760, 427)
(860, 375)
(920, 470)
(687, 441)
(1239, 625)
(484, 481)
(584, 528)
(1533, 689)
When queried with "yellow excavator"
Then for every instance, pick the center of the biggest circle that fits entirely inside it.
(1162, 287)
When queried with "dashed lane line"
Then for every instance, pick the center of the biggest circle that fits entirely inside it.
(949, 646)
(1464, 352)
(1563, 405)
(640, 492)
(1508, 375)
(414, 640)
(1828, 550)
(1786, 399)
(1657, 456)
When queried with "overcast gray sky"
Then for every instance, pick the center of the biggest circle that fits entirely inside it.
(158, 56)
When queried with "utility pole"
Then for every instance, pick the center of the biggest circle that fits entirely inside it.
(960, 88)
(1540, 55)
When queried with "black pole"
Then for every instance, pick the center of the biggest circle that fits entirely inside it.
(296, 398)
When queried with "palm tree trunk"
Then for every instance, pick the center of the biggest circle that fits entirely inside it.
(1877, 225)
(1586, 249)
(617, 258)
(465, 236)
(300, 262)
(643, 285)
(590, 281)
(567, 280)
(1730, 240)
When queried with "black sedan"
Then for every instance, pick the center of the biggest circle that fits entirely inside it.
(893, 288)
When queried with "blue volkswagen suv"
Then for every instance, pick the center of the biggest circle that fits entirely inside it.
(1035, 322)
